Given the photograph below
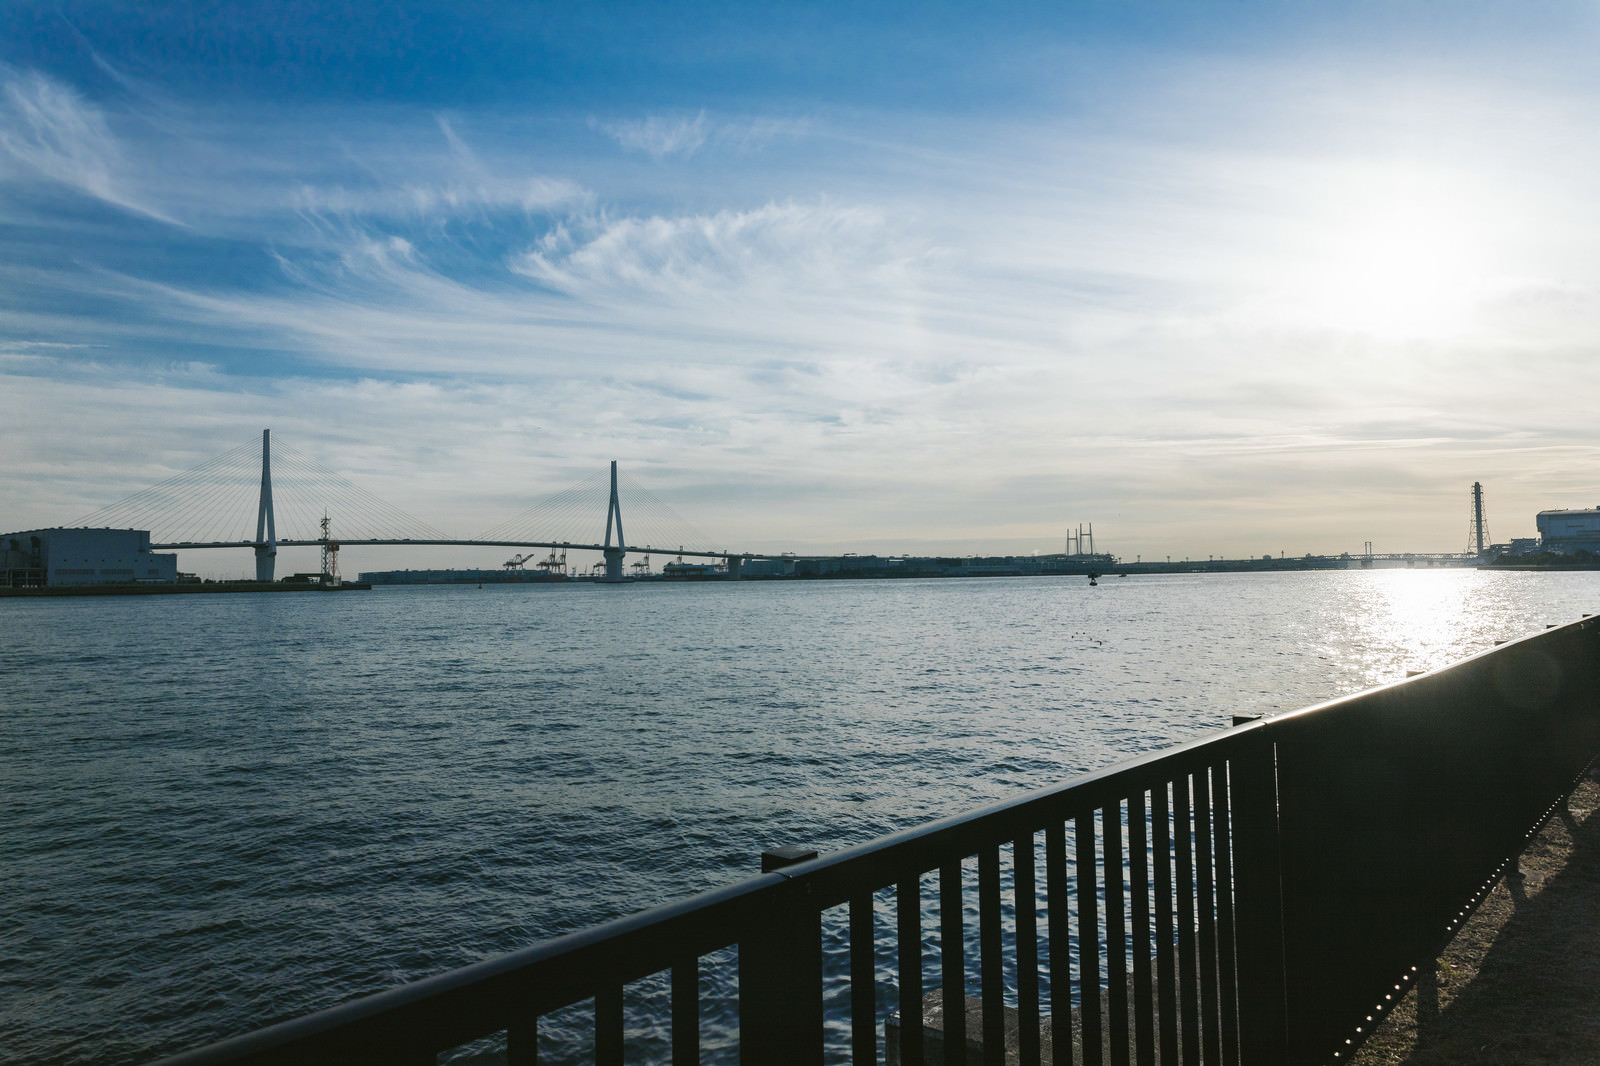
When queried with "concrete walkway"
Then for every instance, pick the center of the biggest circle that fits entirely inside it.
(1521, 982)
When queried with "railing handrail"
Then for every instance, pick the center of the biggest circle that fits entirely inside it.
(630, 943)
(921, 848)
(475, 1000)
(838, 874)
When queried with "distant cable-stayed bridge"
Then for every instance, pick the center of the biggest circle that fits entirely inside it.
(265, 495)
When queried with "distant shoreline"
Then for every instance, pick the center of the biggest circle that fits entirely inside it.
(1593, 565)
(1219, 566)
(181, 588)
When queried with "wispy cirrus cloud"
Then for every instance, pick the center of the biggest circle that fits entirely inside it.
(448, 196)
(1106, 307)
(404, 174)
(683, 136)
(50, 132)
(792, 246)
(456, 180)
(659, 136)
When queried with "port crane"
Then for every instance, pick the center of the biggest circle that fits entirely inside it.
(553, 564)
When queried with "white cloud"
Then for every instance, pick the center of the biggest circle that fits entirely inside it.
(660, 136)
(422, 183)
(446, 197)
(664, 136)
(49, 130)
(929, 330)
(793, 246)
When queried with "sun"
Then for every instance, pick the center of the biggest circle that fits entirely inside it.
(1394, 254)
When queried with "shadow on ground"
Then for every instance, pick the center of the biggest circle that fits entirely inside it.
(1521, 982)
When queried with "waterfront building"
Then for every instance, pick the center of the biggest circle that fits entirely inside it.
(1567, 532)
(59, 556)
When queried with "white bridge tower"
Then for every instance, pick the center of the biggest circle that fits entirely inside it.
(615, 555)
(266, 524)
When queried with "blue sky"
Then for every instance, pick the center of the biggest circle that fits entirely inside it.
(1228, 278)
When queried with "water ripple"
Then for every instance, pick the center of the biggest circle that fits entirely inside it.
(223, 811)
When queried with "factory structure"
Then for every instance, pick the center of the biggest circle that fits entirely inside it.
(1569, 532)
(1561, 532)
(52, 557)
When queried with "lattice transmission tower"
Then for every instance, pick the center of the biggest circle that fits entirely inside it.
(1477, 533)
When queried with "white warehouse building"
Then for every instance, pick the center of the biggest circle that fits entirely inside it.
(1569, 531)
(82, 557)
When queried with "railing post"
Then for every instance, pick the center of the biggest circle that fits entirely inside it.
(780, 975)
(1258, 904)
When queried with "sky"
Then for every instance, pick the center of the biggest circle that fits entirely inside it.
(1230, 279)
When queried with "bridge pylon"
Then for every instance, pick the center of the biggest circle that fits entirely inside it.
(614, 556)
(266, 524)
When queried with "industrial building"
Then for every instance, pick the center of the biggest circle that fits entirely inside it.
(1566, 532)
(49, 557)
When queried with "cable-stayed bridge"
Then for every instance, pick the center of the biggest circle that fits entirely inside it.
(266, 495)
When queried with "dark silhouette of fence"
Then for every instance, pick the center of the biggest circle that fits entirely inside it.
(1263, 896)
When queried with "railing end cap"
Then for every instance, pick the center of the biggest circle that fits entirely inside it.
(788, 855)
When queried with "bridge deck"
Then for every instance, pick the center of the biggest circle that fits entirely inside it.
(631, 549)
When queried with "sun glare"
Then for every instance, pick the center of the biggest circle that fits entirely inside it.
(1410, 620)
(1393, 255)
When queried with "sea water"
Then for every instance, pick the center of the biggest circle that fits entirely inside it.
(221, 811)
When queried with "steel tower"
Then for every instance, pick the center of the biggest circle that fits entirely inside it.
(1476, 534)
(615, 555)
(266, 524)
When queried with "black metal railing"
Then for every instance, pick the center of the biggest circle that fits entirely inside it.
(1258, 897)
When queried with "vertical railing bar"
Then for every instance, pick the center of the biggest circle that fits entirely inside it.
(991, 964)
(908, 905)
(1205, 890)
(1188, 976)
(686, 1011)
(608, 1026)
(863, 982)
(522, 1043)
(1139, 890)
(780, 980)
(1258, 917)
(1023, 889)
(953, 975)
(1057, 913)
(1166, 984)
(1088, 942)
(1116, 934)
(1222, 836)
